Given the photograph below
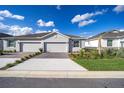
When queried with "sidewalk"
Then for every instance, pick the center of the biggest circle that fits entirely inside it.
(63, 74)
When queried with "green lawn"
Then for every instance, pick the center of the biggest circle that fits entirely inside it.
(102, 64)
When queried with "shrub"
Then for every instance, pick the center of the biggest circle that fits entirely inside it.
(109, 53)
(37, 53)
(81, 52)
(23, 59)
(26, 57)
(94, 54)
(120, 53)
(1, 52)
(89, 53)
(10, 65)
(41, 50)
(30, 56)
(18, 61)
(14, 50)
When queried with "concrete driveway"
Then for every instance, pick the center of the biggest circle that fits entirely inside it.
(49, 61)
(53, 55)
(11, 57)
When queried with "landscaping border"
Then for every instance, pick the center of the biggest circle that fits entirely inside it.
(20, 61)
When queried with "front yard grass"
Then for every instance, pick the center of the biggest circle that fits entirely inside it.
(115, 64)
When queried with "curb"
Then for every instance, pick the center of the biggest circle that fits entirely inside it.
(63, 74)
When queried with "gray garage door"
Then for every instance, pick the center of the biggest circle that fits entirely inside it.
(30, 46)
(56, 47)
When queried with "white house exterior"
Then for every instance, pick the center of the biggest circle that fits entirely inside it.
(49, 42)
(112, 39)
(1, 41)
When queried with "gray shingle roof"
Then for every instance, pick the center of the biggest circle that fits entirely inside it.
(110, 35)
(38, 36)
(74, 36)
(29, 36)
(4, 35)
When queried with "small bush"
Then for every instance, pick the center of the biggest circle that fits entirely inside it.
(30, 56)
(120, 53)
(14, 50)
(109, 53)
(18, 61)
(10, 65)
(26, 57)
(41, 50)
(23, 59)
(1, 52)
(81, 53)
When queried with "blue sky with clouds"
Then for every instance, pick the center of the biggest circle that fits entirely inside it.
(79, 20)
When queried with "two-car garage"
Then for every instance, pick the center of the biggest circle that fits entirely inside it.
(48, 46)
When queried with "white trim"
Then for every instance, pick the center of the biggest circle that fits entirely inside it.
(57, 33)
(63, 35)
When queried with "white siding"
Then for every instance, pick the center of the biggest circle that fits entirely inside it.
(92, 43)
(115, 43)
(82, 43)
(5, 47)
(56, 38)
(1, 45)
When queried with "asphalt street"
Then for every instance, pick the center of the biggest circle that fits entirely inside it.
(13, 82)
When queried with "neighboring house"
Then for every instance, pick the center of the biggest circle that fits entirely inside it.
(48, 41)
(111, 39)
(1, 42)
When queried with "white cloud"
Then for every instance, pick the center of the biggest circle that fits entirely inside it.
(121, 30)
(43, 31)
(55, 30)
(40, 22)
(15, 29)
(86, 16)
(18, 17)
(119, 8)
(3, 26)
(8, 14)
(85, 19)
(58, 7)
(86, 22)
(1, 18)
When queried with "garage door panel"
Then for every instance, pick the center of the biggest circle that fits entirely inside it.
(57, 47)
(31, 47)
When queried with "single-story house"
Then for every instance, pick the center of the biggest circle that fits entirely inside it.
(110, 39)
(1, 41)
(48, 41)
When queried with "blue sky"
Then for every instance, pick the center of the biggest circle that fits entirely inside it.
(90, 20)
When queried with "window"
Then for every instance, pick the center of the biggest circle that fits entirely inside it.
(109, 42)
(76, 43)
(11, 43)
